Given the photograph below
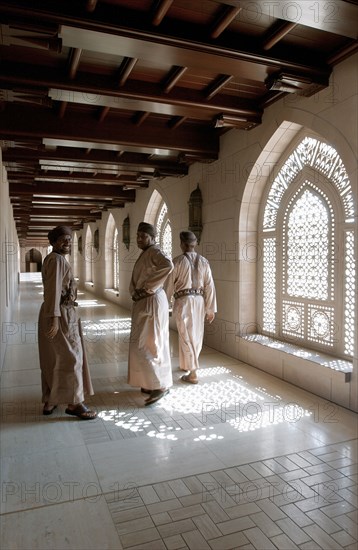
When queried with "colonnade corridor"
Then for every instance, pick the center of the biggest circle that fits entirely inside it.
(242, 460)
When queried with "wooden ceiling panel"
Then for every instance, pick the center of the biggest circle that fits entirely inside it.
(100, 97)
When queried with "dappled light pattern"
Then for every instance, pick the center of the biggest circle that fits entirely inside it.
(104, 327)
(211, 436)
(90, 303)
(221, 398)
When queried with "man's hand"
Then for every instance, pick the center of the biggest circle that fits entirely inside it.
(210, 317)
(53, 328)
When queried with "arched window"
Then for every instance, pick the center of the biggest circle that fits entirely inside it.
(164, 230)
(308, 262)
(112, 249)
(89, 256)
(115, 260)
(74, 254)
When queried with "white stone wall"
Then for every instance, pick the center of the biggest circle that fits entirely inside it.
(9, 265)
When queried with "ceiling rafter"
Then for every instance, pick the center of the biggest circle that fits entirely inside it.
(91, 5)
(227, 16)
(276, 33)
(173, 78)
(160, 11)
(215, 87)
(73, 64)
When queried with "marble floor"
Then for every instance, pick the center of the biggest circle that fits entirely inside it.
(242, 460)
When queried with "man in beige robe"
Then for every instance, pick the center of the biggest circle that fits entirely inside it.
(149, 365)
(192, 286)
(65, 375)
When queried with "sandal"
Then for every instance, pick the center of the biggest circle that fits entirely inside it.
(47, 411)
(82, 412)
(186, 378)
(155, 395)
(144, 390)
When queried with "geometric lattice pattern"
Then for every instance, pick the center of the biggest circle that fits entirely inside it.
(321, 326)
(166, 239)
(164, 231)
(300, 238)
(324, 159)
(349, 294)
(115, 260)
(269, 285)
(293, 319)
(307, 248)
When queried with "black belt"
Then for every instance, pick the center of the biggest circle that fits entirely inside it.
(140, 294)
(68, 303)
(189, 292)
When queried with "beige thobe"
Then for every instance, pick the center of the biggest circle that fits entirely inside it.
(190, 311)
(64, 370)
(149, 364)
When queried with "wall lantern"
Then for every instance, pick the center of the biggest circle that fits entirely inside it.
(126, 230)
(96, 240)
(195, 222)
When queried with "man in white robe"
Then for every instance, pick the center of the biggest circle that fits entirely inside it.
(192, 286)
(149, 365)
(65, 375)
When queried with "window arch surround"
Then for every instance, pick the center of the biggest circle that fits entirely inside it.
(75, 255)
(157, 214)
(88, 250)
(312, 171)
(112, 254)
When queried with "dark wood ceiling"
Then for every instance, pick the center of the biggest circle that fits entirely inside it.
(98, 97)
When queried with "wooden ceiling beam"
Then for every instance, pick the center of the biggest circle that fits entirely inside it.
(173, 78)
(342, 18)
(228, 15)
(217, 85)
(276, 33)
(176, 122)
(51, 175)
(91, 5)
(182, 102)
(61, 190)
(140, 117)
(125, 69)
(160, 11)
(126, 162)
(22, 121)
(74, 62)
(339, 18)
(132, 34)
(48, 212)
(103, 113)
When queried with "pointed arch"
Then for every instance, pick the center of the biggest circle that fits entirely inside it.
(158, 215)
(74, 254)
(88, 255)
(308, 211)
(112, 254)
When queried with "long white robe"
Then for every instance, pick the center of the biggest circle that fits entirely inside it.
(65, 374)
(190, 311)
(149, 364)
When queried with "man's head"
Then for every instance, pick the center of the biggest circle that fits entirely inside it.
(60, 238)
(188, 241)
(146, 234)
